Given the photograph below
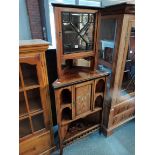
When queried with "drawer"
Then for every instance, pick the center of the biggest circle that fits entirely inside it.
(123, 106)
(35, 145)
(123, 116)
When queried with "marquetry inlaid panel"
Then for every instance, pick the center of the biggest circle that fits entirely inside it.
(83, 99)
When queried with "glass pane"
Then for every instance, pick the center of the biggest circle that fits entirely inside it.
(38, 122)
(22, 104)
(107, 46)
(24, 128)
(34, 100)
(78, 31)
(107, 41)
(128, 83)
(29, 74)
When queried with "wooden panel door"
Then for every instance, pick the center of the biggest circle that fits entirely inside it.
(83, 98)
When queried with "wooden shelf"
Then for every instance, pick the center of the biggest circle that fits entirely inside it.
(67, 121)
(98, 94)
(30, 87)
(30, 82)
(98, 108)
(35, 112)
(64, 105)
(81, 133)
(126, 71)
(21, 117)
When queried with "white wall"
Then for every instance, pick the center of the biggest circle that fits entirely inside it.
(24, 26)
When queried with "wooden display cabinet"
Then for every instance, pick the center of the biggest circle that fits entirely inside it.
(76, 34)
(80, 89)
(79, 105)
(117, 55)
(35, 124)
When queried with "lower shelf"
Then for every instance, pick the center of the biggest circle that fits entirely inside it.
(67, 121)
(81, 127)
(70, 138)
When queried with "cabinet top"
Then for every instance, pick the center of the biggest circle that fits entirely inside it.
(107, 6)
(76, 76)
(24, 45)
(33, 42)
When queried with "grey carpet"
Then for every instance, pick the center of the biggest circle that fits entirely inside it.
(121, 142)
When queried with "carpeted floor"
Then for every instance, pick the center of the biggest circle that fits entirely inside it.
(121, 142)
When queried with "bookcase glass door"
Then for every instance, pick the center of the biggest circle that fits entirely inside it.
(128, 82)
(108, 27)
(107, 42)
(31, 112)
(77, 32)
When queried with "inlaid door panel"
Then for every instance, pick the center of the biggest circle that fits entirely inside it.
(83, 95)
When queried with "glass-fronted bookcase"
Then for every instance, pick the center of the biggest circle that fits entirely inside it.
(117, 55)
(35, 117)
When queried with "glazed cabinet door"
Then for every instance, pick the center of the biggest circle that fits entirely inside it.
(109, 36)
(127, 79)
(32, 102)
(83, 98)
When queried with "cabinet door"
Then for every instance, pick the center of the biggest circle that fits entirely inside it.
(31, 70)
(83, 98)
(127, 86)
(33, 117)
(110, 26)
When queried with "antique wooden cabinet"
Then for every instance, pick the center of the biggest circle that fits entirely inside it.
(35, 124)
(117, 55)
(80, 89)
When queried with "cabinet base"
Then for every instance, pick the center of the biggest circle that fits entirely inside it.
(109, 131)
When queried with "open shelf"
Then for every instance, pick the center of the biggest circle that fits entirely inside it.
(38, 122)
(66, 114)
(99, 101)
(34, 100)
(66, 105)
(100, 86)
(67, 121)
(22, 105)
(82, 127)
(29, 74)
(24, 128)
(66, 96)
